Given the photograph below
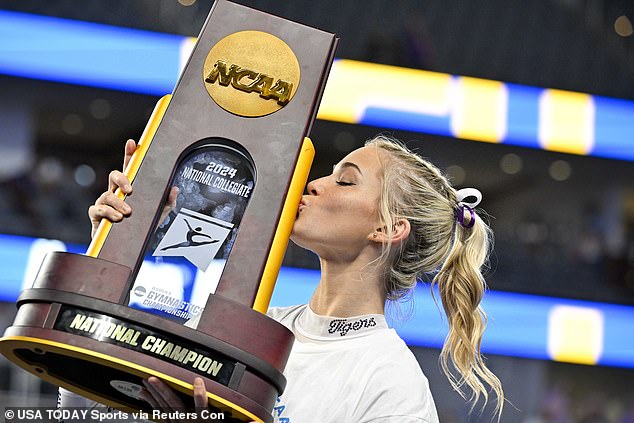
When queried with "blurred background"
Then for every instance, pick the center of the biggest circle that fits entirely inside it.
(561, 207)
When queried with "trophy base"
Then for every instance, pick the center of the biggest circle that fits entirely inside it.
(103, 350)
(104, 378)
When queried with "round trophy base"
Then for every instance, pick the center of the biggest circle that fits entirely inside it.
(70, 331)
(109, 368)
(107, 379)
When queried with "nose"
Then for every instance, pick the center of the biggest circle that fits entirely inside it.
(314, 187)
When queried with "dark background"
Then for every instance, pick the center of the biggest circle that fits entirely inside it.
(567, 238)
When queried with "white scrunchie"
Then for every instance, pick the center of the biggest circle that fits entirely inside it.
(463, 193)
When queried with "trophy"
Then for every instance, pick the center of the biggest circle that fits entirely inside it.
(232, 138)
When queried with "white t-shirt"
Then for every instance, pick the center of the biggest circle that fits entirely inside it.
(353, 370)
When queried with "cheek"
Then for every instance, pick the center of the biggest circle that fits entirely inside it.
(341, 226)
(345, 212)
(351, 213)
(356, 217)
(363, 207)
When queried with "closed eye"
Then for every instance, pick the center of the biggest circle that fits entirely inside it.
(345, 184)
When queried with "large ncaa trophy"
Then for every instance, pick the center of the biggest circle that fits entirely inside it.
(231, 139)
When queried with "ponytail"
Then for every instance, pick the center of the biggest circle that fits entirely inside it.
(449, 240)
(462, 287)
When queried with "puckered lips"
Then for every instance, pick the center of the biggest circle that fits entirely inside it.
(302, 206)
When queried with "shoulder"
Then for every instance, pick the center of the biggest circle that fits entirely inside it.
(285, 315)
(395, 386)
(391, 357)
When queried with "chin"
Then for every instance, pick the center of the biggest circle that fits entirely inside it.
(297, 239)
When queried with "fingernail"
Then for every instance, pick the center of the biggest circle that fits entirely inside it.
(127, 187)
(126, 208)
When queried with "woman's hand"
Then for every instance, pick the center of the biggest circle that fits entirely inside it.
(161, 397)
(111, 207)
(108, 205)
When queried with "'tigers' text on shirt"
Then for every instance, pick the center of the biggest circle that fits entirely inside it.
(343, 326)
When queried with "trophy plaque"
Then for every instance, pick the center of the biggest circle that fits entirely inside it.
(232, 138)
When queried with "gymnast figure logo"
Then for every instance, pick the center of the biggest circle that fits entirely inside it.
(195, 236)
(191, 233)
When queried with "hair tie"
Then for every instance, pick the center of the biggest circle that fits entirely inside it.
(461, 194)
(461, 209)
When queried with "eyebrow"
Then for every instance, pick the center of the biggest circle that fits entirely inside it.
(347, 165)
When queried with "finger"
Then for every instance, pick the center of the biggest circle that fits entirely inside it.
(159, 401)
(116, 180)
(173, 196)
(99, 212)
(110, 206)
(200, 394)
(146, 396)
(112, 200)
(171, 203)
(167, 394)
(130, 148)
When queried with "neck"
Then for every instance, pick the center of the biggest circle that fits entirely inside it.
(348, 289)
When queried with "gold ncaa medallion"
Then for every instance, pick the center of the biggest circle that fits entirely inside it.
(251, 73)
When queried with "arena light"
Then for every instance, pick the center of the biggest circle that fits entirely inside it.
(146, 62)
(520, 325)
(478, 109)
(75, 52)
(84, 53)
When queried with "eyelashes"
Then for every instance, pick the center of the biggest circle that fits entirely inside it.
(345, 184)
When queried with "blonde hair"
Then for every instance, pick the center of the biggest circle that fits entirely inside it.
(416, 190)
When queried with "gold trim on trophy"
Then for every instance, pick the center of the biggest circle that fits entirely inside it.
(284, 227)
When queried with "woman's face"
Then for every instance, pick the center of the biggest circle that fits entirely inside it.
(340, 213)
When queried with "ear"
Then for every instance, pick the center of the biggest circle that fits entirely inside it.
(400, 232)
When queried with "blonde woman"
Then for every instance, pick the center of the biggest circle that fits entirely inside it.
(379, 222)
